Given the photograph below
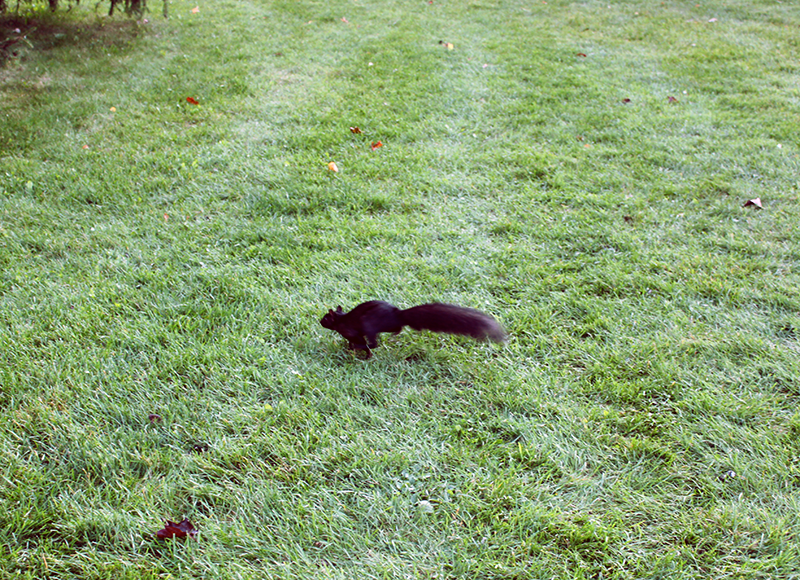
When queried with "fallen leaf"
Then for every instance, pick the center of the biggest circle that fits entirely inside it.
(376, 145)
(712, 19)
(85, 146)
(195, 10)
(355, 130)
(583, 54)
(447, 45)
(177, 530)
(755, 202)
(345, 20)
(333, 167)
(672, 99)
(153, 418)
(626, 100)
(113, 109)
(192, 101)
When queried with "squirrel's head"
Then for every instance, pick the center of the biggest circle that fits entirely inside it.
(329, 320)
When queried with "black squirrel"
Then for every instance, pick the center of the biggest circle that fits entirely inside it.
(363, 323)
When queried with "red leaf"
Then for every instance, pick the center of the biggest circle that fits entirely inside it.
(626, 100)
(177, 530)
(583, 54)
(192, 101)
(376, 145)
(671, 99)
(355, 130)
(755, 202)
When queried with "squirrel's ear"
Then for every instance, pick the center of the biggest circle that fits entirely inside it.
(330, 311)
(339, 310)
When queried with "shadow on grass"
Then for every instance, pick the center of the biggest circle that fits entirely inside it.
(20, 35)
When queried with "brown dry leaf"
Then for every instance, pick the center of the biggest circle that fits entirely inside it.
(177, 530)
(333, 167)
(355, 130)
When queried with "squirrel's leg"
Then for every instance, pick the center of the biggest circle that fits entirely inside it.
(364, 347)
(361, 346)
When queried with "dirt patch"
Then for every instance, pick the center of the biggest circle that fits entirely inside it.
(20, 35)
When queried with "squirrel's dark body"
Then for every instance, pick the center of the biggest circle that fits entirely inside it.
(363, 323)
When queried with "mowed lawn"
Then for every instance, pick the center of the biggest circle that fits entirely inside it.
(616, 182)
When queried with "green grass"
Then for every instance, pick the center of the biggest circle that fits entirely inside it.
(162, 257)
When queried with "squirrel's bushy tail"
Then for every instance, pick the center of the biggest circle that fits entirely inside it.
(453, 319)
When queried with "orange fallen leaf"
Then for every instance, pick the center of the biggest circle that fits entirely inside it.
(85, 146)
(755, 202)
(376, 145)
(355, 130)
(345, 20)
(195, 10)
(192, 101)
(333, 167)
